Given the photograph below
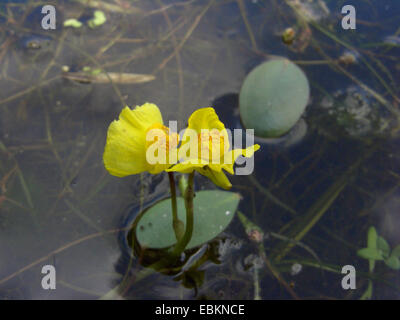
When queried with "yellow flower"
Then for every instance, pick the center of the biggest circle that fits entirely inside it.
(205, 148)
(137, 141)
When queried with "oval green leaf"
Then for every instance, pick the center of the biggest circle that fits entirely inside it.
(370, 253)
(273, 97)
(213, 211)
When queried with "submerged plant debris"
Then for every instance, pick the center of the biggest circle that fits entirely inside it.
(307, 206)
(356, 112)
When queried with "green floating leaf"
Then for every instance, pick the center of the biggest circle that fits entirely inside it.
(273, 97)
(213, 211)
(370, 253)
(393, 262)
(396, 251)
(372, 237)
(383, 246)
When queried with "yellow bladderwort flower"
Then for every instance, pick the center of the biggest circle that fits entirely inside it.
(137, 140)
(205, 148)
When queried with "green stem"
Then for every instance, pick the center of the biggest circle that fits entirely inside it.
(176, 223)
(189, 195)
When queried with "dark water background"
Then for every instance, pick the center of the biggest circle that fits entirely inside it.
(59, 206)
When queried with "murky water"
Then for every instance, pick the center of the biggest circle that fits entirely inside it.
(314, 196)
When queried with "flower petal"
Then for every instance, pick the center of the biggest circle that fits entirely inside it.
(232, 156)
(142, 117)
(125, 150)
(202, 125)
(205, 118)
(218, 178)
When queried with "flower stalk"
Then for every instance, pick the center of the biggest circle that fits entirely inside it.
(184, 241)
(176, 223)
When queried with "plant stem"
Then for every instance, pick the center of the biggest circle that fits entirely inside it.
(183, 242)
(175, 220)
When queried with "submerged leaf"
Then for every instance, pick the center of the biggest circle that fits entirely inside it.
(370, 253)
(393, 262)
(72, 23)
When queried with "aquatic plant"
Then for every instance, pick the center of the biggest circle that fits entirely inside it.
(378, 249)
(72, 23)
(139, 137)
(273, 97)
(51, 135)
(98, 19)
